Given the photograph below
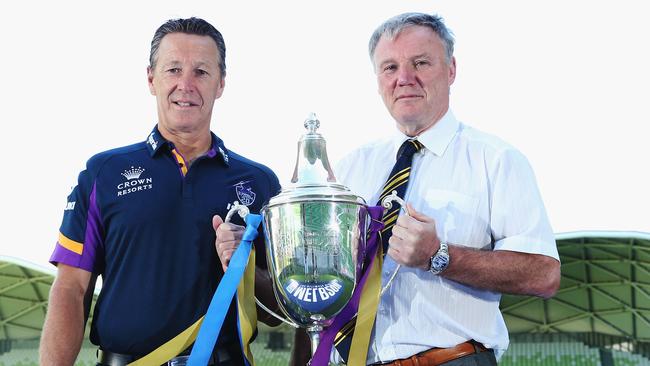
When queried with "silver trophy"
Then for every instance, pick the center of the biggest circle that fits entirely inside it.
(316, 235)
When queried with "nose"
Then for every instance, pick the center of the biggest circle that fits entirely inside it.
(186, 82)
(405, 76)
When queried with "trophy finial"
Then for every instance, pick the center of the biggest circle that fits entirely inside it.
(312, 165)
(312, 123)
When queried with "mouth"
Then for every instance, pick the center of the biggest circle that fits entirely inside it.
(408, 97)
(185, 104)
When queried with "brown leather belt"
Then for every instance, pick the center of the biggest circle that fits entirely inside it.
(438, 356)
(106, 358)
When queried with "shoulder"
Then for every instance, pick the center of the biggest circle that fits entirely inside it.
(254, 167)
(98, 161)
(492, 148)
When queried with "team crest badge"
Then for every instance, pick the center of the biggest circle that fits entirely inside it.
(245, 193)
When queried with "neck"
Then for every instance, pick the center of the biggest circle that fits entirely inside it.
(190, 144)
(415, 128)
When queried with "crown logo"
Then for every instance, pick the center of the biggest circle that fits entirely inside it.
(133, 173)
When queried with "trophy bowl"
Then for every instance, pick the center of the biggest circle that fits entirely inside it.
(314, 255)
(315, 233)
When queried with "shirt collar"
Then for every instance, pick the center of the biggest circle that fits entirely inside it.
(436, 138)
(155, 141)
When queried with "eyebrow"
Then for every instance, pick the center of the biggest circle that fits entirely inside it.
(175, 63)
(392, 60)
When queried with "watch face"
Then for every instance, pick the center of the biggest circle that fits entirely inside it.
(439, 263)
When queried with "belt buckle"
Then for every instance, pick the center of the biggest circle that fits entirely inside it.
(178, 361)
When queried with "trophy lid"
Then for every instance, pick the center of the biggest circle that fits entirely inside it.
(313, 178)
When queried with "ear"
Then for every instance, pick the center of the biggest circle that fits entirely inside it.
(152, 90)
(452, 71)
(220, 87)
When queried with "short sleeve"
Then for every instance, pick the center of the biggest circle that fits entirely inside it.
(80, 234)
(517, 216)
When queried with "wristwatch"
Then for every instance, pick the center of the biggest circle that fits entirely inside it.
(440, 260)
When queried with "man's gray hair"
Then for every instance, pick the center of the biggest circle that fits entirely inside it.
(393, 26)
(196, 26)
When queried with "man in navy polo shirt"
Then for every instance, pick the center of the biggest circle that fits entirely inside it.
(141, 217)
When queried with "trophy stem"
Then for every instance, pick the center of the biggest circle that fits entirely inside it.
(314, 336)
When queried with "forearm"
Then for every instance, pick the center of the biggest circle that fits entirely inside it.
(64, 327)
(504, 271)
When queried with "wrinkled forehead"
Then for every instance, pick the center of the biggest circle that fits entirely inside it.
(178, 47)
(407, 41)
(392, 34)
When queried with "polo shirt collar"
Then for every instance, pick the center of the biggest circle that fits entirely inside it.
(155, 141)
(435, 139)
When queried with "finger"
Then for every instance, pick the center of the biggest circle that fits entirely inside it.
(394, 243)
(393, 253)
(399, 232)
(227, 254)
(225, 263)
(227, 245)
(224, 236)
(417, 214)
(227, 226)
(405, 222)
(216, 222)
(225, 257)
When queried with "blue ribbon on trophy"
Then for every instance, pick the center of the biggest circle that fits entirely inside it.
(211, 327)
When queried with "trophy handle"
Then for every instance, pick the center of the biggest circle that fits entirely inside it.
(238, 208)
(243, 211)
(387, 203)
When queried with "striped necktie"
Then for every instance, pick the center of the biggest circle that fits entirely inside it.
(397, 181)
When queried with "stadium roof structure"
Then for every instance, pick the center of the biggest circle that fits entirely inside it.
(24, 291)
(605, 289)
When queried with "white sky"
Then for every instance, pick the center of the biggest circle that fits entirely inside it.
(566, 82)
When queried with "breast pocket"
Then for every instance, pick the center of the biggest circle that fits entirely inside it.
(457, 216)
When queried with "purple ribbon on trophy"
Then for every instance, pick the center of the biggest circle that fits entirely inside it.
(322, 354)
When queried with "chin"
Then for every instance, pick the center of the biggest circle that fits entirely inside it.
(184, 125)
(409, 127)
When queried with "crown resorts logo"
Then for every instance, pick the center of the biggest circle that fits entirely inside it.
(133, 173)
(133, 182)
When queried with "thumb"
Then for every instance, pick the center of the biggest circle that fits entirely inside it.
(417, 214)
(216, 222)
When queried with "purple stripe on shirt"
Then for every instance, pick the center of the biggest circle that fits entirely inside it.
(94, 231)
(92, 240)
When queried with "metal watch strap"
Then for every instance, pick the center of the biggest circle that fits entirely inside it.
(440, 260)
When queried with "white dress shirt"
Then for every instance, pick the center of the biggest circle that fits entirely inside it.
(482, 193)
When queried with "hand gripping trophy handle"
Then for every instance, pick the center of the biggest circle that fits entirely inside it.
(387, 203)
(243, 211)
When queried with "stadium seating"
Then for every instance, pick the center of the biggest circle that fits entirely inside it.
(519, 354)
(629, 359)
(550, 354)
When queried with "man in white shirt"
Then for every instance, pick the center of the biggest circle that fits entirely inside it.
(477, 226)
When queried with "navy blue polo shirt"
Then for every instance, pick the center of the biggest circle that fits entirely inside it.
(143, 221)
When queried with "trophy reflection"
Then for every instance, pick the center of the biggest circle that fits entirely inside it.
(315, 232)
